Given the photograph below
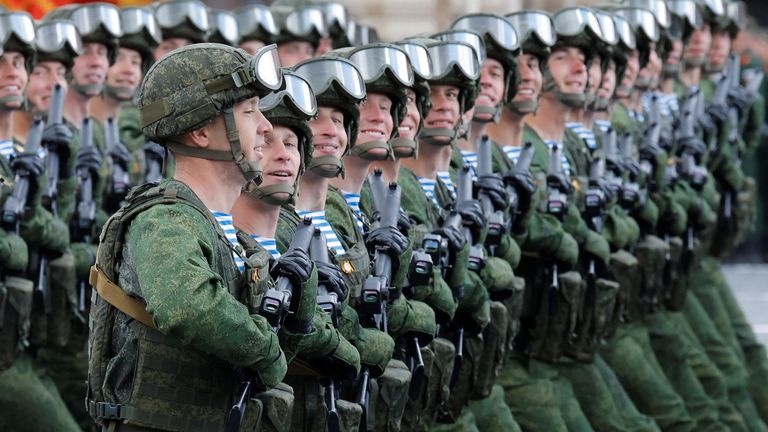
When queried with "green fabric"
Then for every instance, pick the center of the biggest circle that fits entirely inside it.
(492, 412)
(573, 415)
(68, 371)
(30, 401)
(129, 128)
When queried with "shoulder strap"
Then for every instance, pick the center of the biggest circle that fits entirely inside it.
(115, 296)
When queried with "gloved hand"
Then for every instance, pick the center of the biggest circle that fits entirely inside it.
(120, 155)
(387, 239)
(707, 124)
(692, 145)
(297, 267)
(153, 149)
(493, 187)
(740, 98)
(717, 113)
(403, 222)
(88, 158)
(30, 163)
(14, 252)
(330, 275)
(525, 185)
(57, 138)
(472, 217)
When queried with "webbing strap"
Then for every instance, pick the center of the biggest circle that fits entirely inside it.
(115, 296)
(298, 367)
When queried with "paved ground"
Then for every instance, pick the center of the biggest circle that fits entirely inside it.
(750, 283)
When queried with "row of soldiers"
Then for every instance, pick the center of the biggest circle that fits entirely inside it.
(513, 224)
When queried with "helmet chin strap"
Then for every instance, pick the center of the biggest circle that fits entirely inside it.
(714, 68)
(12, 102)
(269, 194)
(492, 114)
(87, 90)
(119, 93)
(696, 61)
(602, 104)
(320, 166)
(403, 147)
(643, 83)
(670, 71)
(573, 100)
(623, 89)
(430, 135)
(523, 107)
(365, 150)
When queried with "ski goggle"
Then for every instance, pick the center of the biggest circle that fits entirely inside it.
(174, 13)
(625, 32)
(737, 13)
(472, 39)
(688, 10)
(658, 8)
(18, 24)
(536, 23)
(261, 71)
(225, 24)
(497, 27)
(446, 55)
(574, 21)
(607, 27)
(335, 15)
(373, 61)
(53, 36)
(641, 20)
(321, 73)
(139, 20)
(251, 17)
(295, 92)
(89, 17)
(305, 21)
(716, 7)
(419, 57)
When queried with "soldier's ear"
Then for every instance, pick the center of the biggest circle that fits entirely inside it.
(207, 135)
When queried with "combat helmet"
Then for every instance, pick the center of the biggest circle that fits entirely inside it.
(96, 23)
(184, 19)
(224, 28)
(17, 33)
(193, 85)
(301, 23)
(647, 31)
(141, 33)
(386, 69)
(255, 22)
(292, 106)
(58, 40)
(575, 27)
(501, 44)
(536, 33)
(418, 55)
(337, 83)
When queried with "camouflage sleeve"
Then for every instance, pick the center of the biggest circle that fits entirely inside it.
(753, 128)
(130, 130)
(14, 255)
(43, 231)
(187, 298)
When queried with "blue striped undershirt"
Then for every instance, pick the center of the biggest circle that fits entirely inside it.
(428, 186)
(321, 223)
(470, 159)
(563, 159)
(512, 152)
(445, 177)
(225, 222)
(584, 133)
(353, 201)
(269, 244)
(603, 125)
(6, 148)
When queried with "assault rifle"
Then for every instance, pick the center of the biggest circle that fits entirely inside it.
(631, 193)
(16, 204)
(558, 189)
(329, 303)
(85, 211)
(119, 181)
(464, 194)
(494, 217)
(523, 167)
(594, 207)
(153, 160)
(276, 303)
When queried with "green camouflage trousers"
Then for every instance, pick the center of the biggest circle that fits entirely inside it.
(634, 420)
(575, 418)
(721, 306)
(29, 401)
(492, 413)
(69, 371)
(678, 357)
(631, 357)
(597, 400)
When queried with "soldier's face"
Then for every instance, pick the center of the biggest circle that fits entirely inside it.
(630, 72)
(281, 157)
(294, 52)
(721, 47)
(170, 44)
(608, 84)
(652, 70)
(491, 85)
(699, 44)
(530, 78)
(445, 108)
(125, 74)
(252, 46)
(568, 68)
(45, 75)
(675, 54)
(252, 126)
(375, 120)
(13, 78)
(325, 45)
(410, 123)
(91, 67)
(329, 137)
(595, 76)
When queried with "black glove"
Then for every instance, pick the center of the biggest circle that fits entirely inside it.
(525, 185)
(493, 187)
(692, 145)
(454, 236)
(740, 98)
(403, 222)
(120, 155)
(331, 277)
(154, 150)
(31, 163)
(88, 158)
(706, 124)
(472, 216)
(295, 265)
(57, 138)
(718, 113)
(389, 240)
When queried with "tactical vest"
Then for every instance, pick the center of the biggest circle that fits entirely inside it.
(174, 387)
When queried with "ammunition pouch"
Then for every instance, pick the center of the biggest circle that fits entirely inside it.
(391, 396)
(593, 321)
(651, 252)
(557, 318)
(494, 348)
(54, 329)
(678, 285)
(15, 307)
(420, 414)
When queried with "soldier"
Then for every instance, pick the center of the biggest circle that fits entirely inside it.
(257, 27)
(25, 389)
(301, 30)
(182, 22)
(217, 153)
